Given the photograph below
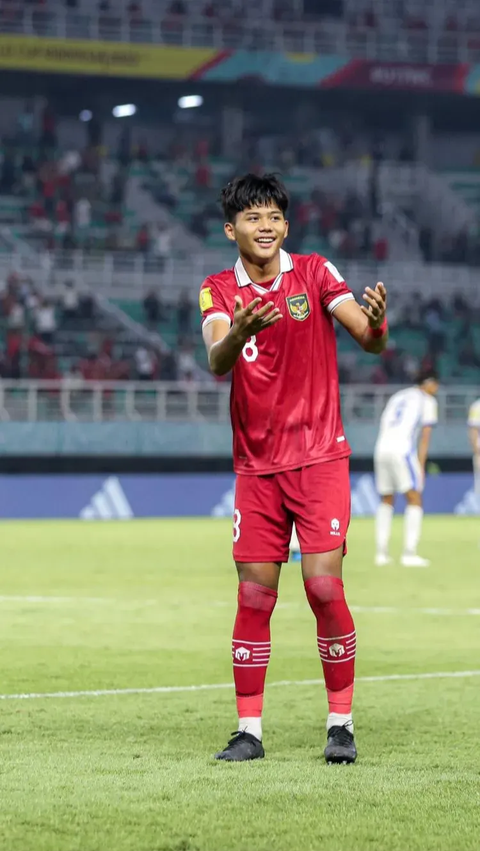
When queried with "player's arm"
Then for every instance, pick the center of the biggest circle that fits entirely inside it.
(224, 344)
(367, 324)
(474, 436)
(474, 429)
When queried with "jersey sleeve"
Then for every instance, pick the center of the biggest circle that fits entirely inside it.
(213, 304)
(430, 412)
(333, 289)
(474, 415)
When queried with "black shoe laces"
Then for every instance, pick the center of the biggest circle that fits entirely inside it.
(237, 736)
(341, 736)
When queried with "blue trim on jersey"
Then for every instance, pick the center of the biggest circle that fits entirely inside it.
(413, 472)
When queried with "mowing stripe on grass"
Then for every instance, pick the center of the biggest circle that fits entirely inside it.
(39, 599)
(115, 692)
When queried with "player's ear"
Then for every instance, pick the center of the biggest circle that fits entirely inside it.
(287, 228)
(229, 231)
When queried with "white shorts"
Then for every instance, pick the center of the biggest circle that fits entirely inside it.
(397, 473)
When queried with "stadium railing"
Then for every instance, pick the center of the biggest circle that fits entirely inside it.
(73, 399)
(132, 275)
(433, 45)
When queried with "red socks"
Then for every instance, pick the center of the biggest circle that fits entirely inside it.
(251, 646)
(336, 639)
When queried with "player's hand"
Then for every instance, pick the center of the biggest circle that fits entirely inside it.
(377, 305)
(248, 321)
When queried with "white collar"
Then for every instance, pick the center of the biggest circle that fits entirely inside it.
(243, 280)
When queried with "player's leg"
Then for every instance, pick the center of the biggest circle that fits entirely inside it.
(322, 514)
(410, 483)
(262, 530)
(383, 529)
(384, 514)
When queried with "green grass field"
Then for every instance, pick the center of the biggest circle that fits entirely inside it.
(141, 605)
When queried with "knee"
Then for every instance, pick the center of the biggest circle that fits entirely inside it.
(259, 597)
(322, 590)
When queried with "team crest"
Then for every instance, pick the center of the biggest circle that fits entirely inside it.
(298, 306)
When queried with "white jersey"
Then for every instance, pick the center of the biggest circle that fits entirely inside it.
(474, 415)
(474, 422)
(404, 415)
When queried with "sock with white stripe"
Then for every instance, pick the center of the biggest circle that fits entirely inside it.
(336, 643)
(412, 527)
(383, 527)
(251, 653)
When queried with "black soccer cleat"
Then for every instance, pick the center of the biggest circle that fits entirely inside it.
(241, 747)
(340, 746)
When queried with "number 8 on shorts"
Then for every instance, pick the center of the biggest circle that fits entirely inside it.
(237, 519)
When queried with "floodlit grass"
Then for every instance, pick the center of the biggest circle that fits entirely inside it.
(148, 604)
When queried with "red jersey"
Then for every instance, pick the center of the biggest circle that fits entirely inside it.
(285, 400)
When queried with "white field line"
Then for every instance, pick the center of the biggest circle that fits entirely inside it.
(68, 601)
(436, 675)
(119, 603)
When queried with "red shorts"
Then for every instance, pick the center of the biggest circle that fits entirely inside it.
(316, 498)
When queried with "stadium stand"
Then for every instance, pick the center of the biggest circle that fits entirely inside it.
(84, 202)
(406, 30)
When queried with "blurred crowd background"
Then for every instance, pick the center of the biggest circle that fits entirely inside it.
(109, 213)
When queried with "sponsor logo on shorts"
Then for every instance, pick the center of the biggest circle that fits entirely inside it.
(242, 654)
(335, 526)
(336, 650)
(298, 306)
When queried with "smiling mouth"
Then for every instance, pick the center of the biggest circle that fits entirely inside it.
(265, 241)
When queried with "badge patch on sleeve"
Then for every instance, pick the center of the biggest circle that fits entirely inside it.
(298, 306)
(206, 300)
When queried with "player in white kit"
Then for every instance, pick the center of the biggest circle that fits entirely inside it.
(400, 457)
(474, 434)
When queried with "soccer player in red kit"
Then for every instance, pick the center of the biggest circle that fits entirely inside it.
(270, 321)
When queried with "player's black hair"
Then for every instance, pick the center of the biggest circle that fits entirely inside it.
(427, 374)
(252, 191)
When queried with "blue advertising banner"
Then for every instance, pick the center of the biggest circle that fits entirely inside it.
(123, 497)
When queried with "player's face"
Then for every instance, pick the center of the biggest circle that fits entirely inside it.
(432, 386)
(259, 233)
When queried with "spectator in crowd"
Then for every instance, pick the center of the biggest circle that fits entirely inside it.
(16, 317)
(435, 326)
(184, 314)
(153, 309)
(70, 304)
(26, 122)
(203, 175)
(29, 172)
(62, 218)
(162, 243)
(134, 10)
(380, 249)
(49, 137)
(82, 218)
(8, 173)
(143, 238)
(468, 356)
(45, 321)
(145, 364)
(124, 152)
(177, 7)
(13, 354)
(119, 181)
(186, 362)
